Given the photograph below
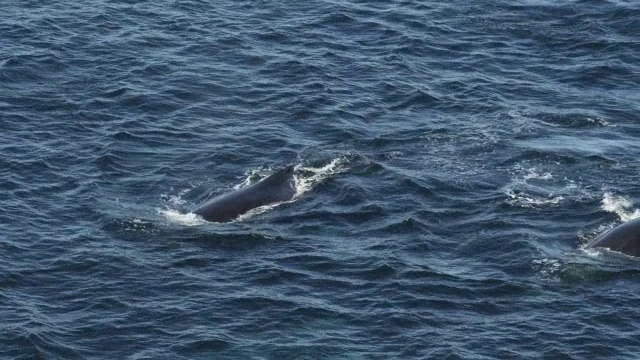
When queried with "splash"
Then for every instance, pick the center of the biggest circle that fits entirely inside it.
(188, 219)
(252, 177)
(532, 173)
(304, 184)
(619, 205)
(592, 253)
(176, 199)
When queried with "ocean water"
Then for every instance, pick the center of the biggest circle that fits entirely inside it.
(453, 158)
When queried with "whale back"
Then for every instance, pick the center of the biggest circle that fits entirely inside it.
(277, 187)
(624, 238)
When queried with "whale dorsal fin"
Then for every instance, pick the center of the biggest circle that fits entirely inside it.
(280, 175)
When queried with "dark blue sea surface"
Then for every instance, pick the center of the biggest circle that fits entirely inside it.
(453, 158)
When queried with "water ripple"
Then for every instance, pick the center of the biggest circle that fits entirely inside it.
(453, 159)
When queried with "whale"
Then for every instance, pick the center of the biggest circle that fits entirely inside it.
(277, 187)
(624, 238)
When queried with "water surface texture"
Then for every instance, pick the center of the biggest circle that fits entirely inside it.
(453, 158)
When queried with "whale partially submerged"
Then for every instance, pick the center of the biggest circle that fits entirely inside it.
(624, 238)
(278, 187)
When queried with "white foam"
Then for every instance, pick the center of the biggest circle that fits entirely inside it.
(598, 121)
(188, 219)
(136, 225)
(303, 185)
(531, 187)
(592, 252)
(530, 201)
(533, 174)
(619, 205)
(547, 267)
(252, 177)
(177, 199)
(259, 210)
